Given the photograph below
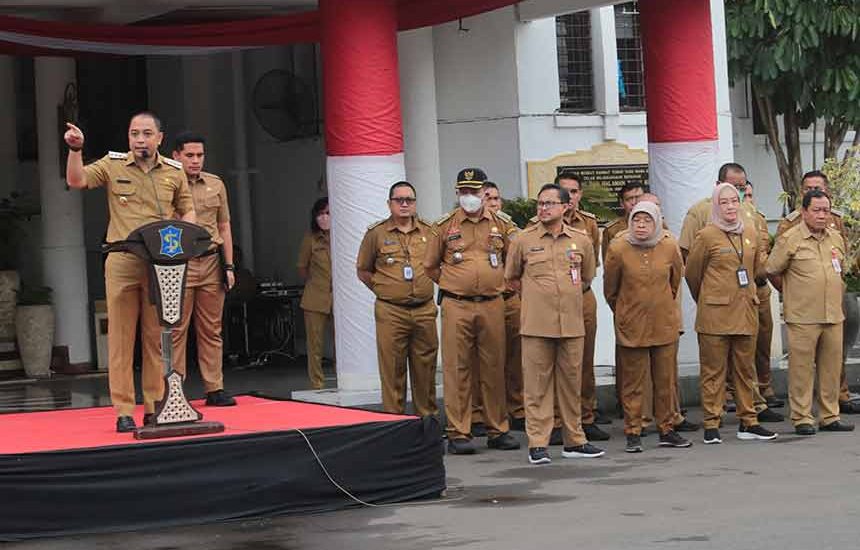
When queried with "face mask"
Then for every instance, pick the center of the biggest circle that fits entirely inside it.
(324, 221)
(470, 203)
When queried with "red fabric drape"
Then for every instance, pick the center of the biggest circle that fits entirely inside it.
(360, 77)
(679, 70)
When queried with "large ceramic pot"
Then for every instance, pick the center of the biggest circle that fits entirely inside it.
(9, 285)
(852, 320)
(35, 326)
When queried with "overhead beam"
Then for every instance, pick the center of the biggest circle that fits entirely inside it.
(530, 10)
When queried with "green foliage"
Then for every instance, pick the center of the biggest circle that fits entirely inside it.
(34, 295)
(801, 53)
(13, 210)
(599, 201)
(844, 176)
(521, 210)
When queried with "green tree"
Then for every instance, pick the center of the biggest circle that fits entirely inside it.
(802, 61)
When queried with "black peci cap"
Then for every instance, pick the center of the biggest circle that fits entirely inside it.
(471, 177)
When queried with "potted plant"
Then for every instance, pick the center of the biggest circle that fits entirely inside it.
(844, 176)
(34, 320)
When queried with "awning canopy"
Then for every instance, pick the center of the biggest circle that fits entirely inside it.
(39, 37)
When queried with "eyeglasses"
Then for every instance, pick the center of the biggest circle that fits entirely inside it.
(548, 204)
(403, 200)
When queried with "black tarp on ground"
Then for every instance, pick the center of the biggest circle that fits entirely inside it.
(158, 485)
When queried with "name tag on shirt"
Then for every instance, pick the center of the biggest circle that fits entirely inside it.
(743, 277)
(407, 273)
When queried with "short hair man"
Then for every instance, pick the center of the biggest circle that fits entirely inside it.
(390, 264)
(553, 263)
(132, 202)
(806, 266)
(207, 280)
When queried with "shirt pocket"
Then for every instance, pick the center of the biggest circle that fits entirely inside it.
(212, 201)
(717, 299)
(539, 264)
(387, 251)
(125, 191)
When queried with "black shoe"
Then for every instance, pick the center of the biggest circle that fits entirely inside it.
(804, 429)
(768, 415)
(479, 429)
(730, 406)
(645, 431)
(518, 424)
(593, 433)
(582, 451)
(837, 426)
(556, 437)
(219, 399)
(712, 436)
(539, 455)
(774, 402)
(503, 442)
(686, 426)
(755, 433)
(125, 424)
(149, 419)
(461, 447)
(849, 407)
(634, 444)
(672, 439)
(602, 419)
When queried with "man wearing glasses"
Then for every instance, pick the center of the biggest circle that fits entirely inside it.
(390, 264)
(554, 265)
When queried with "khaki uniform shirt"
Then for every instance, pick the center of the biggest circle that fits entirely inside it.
(210, 203)
(583, 221)
(699, 215)
(315, 256)
(551, 298)
(136, 198)
(641, 286)
(385, 251)
(463, 248)
(722, 306)
(811, 285)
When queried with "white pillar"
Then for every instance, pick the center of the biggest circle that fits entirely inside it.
(240, 154)
(8, 137)
(420, 127)
(63, 253)
(604, 48)
(726, 151)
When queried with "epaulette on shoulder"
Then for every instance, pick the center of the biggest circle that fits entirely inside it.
(444, 218)
(210, 175)
(504, 216)
(116, 155)
(794, 215)
(588, 214)
(170, 162)
(577, 230)
(423, 222)
(533, 220)
(376, 224)
(836, 212)
(613, 223)
(529, 229)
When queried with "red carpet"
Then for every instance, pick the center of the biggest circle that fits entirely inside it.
(96, 427)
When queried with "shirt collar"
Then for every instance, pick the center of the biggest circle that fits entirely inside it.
(391, 226)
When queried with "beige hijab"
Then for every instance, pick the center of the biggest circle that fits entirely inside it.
(716, 216)
(652, 210)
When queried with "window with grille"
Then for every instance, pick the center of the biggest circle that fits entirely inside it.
(631, 74)
(575, 74)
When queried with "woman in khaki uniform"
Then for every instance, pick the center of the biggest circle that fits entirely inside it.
(642, 275)
(315, 268)
(722, 266)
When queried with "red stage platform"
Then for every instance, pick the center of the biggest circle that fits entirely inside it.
(69, 472)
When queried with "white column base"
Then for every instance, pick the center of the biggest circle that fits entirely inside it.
(358, 191)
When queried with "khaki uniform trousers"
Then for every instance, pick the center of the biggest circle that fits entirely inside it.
(204, 300)
(589, 387)
(718, 353)
(127, 289)
(407, 336)
(316, 324)
(815, 352)
(551, 371)
(762, 345)
(654, 366)
(473, 333)
(513, 366)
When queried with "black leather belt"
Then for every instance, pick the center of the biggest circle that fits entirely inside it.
(446, 294)
(410, 305)
(508, 294)
(210, 252)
